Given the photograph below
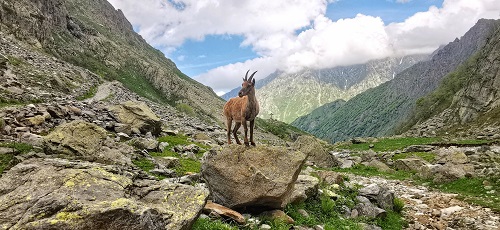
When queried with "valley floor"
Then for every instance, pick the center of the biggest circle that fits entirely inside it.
(429, 209)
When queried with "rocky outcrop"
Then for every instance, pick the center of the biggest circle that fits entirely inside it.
(139, 117)
(262, 177)
(86, 141)
(474, 104)
(62, 194)
(315, 151)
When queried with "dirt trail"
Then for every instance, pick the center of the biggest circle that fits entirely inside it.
(428, 209)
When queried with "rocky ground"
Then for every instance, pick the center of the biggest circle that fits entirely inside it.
(428, 209)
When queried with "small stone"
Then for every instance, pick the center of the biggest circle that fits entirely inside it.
(318, 227)
(436, 213)
(303, 212)
(265, 227)
(448, 211)
(22, 129)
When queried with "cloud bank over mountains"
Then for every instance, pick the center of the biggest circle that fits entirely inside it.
(291, 35)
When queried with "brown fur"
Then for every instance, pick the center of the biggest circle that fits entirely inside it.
(242, 109)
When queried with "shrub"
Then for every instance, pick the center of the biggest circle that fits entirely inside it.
(398, 205)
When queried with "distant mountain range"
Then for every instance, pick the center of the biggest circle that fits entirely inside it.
(383, 110)
(289, 95)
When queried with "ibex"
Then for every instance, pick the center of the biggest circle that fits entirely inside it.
(242, 109)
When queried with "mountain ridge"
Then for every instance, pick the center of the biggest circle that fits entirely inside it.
(93, 35)
(380, 110)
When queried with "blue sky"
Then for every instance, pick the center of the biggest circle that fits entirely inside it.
(196, 57)
(216, 41)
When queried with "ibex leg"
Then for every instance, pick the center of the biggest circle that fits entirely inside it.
(252, 124)
(229, 123)
(235, 132)
(245, 128)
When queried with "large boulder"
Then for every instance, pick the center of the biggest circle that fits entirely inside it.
(260, 177)
(410, 164)
(138, 115)
(86, 141)
(315, 151)
(61, 194)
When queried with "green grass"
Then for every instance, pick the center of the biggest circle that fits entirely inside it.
(144, 164)
(362, 170)
(390, 144)
(399, 205)
(427, 156)
(472, 190)
(14, 60)
(186, 164)
(21, 148)
(393, 221)
(7, 160)
(281, 129)
(181, 140)
(471, 142)
(208, 224)
(185, 108)
(90, 93)
(322, 210)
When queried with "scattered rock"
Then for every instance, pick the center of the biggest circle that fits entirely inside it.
(409, 164)
(62, 194)
(278, 215)
(224, 211)
(305, 186)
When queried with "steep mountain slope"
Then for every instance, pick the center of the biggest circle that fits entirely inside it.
(467, 102)
(288, 96)
(94, 35)
(379, 110)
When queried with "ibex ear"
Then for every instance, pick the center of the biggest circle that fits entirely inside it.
(253, 82)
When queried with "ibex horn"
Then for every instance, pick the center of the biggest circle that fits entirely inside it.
(251, 76)
(246, 75)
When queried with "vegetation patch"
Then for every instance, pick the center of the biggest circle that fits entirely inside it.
(390, 144)
(474, 190)
(181, 140)
(393, 221)
(367, 171)
(185, 108)
(186, 164)
(89, 94)
(14, 60)
(8, 160)
(281, 129)
(427, 156)
(5, 162)
(322, 210)
(144, 164)
(21, 148)
(209, 224)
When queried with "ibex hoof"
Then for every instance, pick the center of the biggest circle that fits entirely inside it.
(247, 144)
(253, 143)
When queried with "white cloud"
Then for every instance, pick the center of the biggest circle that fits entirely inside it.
(270, 28)
(181, 58)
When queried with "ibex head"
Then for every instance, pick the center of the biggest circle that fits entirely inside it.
(248, 85)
